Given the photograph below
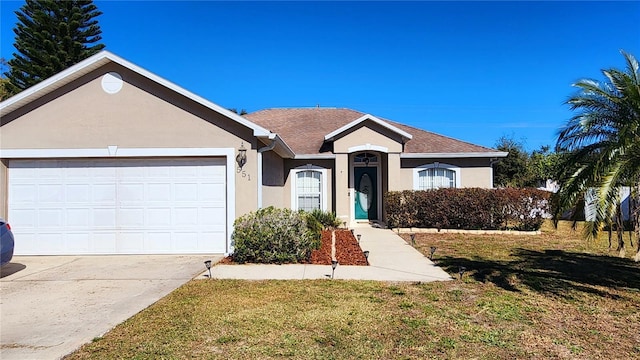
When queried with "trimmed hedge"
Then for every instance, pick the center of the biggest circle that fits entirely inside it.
(275, 236)
(468, 208)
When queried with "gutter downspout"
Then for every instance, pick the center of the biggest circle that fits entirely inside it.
(260, 151)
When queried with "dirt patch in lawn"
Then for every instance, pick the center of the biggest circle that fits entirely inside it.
(348, 251)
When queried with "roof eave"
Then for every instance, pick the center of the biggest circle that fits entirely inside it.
(488, 154)
(314, 156)
(96, 61)
(405, 135)
(281, 147)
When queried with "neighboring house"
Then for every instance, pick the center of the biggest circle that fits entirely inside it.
(108, 158)
(589, 212)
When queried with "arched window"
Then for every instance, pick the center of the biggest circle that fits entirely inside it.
(436, 176)
(365, 158)
(308, 191)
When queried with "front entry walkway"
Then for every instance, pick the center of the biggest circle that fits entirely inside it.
(390, 259)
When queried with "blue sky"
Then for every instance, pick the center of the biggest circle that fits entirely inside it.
(475, 70)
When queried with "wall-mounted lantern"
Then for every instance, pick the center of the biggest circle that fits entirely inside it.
(241, 158)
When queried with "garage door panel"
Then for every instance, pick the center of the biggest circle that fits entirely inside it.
(23, 218)
(209, 216)
(77, 172)
(207, 242)
(51, 242)
(185, 192)
(130, 193)
(212, 192)
(23, 193)
(48, 218)
(50, 193)
(104, 172)
(104, 218)
(79, 241)
(159, 192)
(185, 217)
(131, 242)
(158, 241)
(159, 217)
(106, 206)
(78, 218)
(131, 218)
(103, 193)
(104, 242)
(77, 193)
(186, 240)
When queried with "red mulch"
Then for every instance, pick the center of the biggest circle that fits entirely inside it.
(348, 251)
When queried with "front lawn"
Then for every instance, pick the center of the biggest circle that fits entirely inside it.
(548, 296)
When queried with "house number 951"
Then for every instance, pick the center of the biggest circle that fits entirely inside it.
(244, 174)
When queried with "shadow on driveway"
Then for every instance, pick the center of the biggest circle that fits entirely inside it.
(11, 268)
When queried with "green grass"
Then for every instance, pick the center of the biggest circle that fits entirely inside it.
(549, 296)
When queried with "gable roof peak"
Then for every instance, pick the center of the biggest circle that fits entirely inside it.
(364, 118)
(102, 58)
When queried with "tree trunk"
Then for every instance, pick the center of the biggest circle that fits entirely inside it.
(636, 218)
(619, 230)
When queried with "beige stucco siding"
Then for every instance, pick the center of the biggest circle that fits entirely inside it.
(394, 170)
(473, 172)
(87, 117)
(364, 135)
(142, 114)
(273, 180)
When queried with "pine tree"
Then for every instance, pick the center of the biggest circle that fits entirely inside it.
(50, 37)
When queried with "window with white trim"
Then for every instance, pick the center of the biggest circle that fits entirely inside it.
(436, 176)
(308, 190)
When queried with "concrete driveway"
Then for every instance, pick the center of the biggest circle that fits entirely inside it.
(51, 305)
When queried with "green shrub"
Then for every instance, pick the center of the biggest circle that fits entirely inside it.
(468, 208)
(274, 236)
(328, 219)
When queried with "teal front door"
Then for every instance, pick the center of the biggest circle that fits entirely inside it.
(366, 190)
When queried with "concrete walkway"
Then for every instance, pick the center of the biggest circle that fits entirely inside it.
(390, 259)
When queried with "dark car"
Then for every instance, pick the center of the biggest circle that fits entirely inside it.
(6, 242)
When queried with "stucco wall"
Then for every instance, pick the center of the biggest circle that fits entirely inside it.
(273, 180)
(142, 114)
(372, 134)
(473, 172)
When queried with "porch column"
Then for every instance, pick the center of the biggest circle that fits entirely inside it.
(393, 170)
(343, 192)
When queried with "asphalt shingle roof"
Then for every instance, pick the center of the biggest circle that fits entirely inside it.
(303, 129)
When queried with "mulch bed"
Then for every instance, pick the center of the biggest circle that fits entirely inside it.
(348, 251)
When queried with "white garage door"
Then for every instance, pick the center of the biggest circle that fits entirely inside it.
(132, 206)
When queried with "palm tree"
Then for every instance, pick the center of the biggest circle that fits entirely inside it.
(603, 143)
